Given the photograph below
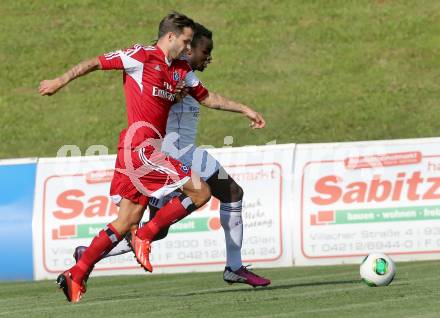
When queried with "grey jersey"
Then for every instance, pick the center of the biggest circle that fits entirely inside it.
(180, 138)
(183, 120)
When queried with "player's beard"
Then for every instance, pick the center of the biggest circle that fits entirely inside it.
(175, 52)
(182, 53)
(203, 65)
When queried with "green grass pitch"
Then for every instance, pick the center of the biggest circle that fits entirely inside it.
(328, 291)
(319, 70)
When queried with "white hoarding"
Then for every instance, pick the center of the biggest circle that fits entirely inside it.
(355, 198)
(72, 205)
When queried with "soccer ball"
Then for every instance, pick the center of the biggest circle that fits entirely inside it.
(377, 269)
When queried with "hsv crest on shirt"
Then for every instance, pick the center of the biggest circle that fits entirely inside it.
(149, 83)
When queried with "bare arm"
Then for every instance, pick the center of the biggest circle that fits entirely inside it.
(216, 101)
(50, 87)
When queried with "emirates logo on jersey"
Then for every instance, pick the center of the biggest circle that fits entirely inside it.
(162, 93)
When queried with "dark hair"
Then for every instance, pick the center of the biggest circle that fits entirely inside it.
(199, 32)
(174, 22)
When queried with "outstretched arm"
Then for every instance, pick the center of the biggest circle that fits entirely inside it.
(216, 101)
(50, 87)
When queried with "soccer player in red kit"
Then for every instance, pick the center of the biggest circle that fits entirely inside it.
(153, 78)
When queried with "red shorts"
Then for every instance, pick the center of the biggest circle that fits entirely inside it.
(140, 174)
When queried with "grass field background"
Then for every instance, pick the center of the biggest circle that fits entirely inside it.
(318, 70)
(330, 291)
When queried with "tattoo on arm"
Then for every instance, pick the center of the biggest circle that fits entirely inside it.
(80, 70)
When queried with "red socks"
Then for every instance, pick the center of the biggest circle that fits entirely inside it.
(175, 210)
(101, 245)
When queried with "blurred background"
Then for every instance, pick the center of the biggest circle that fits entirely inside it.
(320, 71)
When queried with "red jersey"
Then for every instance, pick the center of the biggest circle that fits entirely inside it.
(149, 84)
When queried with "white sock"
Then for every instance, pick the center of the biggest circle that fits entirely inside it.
(230, 218)
(119, 249)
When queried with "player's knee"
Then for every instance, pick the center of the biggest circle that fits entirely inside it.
(236, 193)
(233, 193)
